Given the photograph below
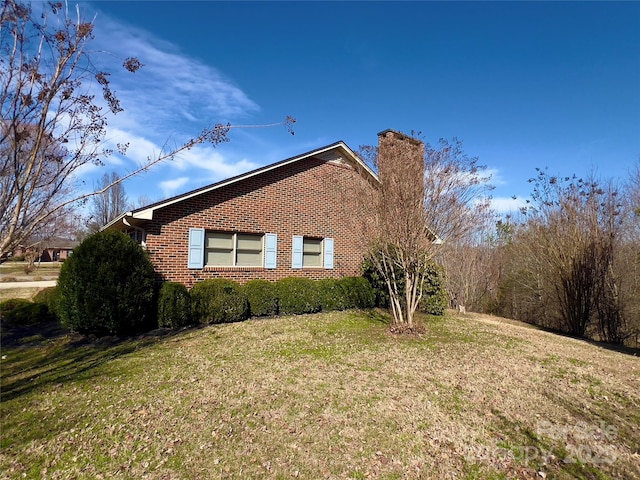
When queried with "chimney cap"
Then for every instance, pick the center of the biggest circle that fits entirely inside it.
(400, 135)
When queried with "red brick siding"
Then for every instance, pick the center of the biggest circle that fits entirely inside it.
(308, 197)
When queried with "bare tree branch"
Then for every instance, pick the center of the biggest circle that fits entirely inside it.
(50, 127)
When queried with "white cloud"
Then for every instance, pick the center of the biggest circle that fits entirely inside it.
(167, 102)
(496, 178)
(169, 187)
(211, 163)
(505, 205)
(140, 148)
(171, 86)
(203, 163)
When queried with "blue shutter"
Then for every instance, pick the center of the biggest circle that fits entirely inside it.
(196, 248)
(296, 254)
(328, 253)
(270, 250)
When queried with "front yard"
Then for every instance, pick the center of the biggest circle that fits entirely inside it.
(331, 395)
(11, 272)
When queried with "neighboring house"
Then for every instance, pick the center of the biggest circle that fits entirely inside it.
(57, 250)
(54, 250)
(298, 217)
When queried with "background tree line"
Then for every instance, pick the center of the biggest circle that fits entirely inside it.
(568, 261)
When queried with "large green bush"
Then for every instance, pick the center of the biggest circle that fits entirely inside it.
(174, 305)
(332, 294)
(263, 297)
(298, 296)
(358, 292)
(107, 286)
(381, 292)
(219, 300)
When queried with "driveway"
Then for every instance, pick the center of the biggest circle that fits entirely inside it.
(40, 284)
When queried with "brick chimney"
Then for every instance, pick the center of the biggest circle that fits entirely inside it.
(401, 164)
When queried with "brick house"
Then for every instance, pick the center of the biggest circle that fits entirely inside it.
(58, 250)
(301, 217)
(297, 217)
(51, 250)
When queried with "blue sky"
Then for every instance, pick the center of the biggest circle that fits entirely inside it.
(523, 85)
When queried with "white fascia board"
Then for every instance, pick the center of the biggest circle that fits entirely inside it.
(146, 214)
(355, 158)
(119, 218)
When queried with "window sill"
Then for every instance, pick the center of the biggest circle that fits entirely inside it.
(231, 269)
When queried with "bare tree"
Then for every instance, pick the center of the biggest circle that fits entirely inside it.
(107, 205)
(142, 201)
(50, 125)
(428, 195)
(564, 268)
(627, 259)
(472, 273)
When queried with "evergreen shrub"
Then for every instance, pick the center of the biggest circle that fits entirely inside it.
(107, 287)
(174, 305)
(219, 300)
(434, 294)
(263, 298)
(358, 292)
(298, 296)
(332, 294)
(48, 296)
(19, 312)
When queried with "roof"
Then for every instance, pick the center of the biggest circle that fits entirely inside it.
(336, 152)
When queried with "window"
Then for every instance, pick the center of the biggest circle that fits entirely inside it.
(138, 234)
(312, 252)
(233, 250)
(248, 250)
(218, 249)
(224, 249)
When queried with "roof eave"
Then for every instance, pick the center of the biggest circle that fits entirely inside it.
(130, 219)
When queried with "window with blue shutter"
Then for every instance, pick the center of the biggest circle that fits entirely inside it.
(296, 254)
(270, 250)
(196, 248)
(328, 253)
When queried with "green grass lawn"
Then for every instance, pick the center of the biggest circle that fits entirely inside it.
(330, 395)
(28, 293)
(15, 271)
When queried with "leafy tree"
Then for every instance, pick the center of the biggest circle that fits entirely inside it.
(50, 125)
